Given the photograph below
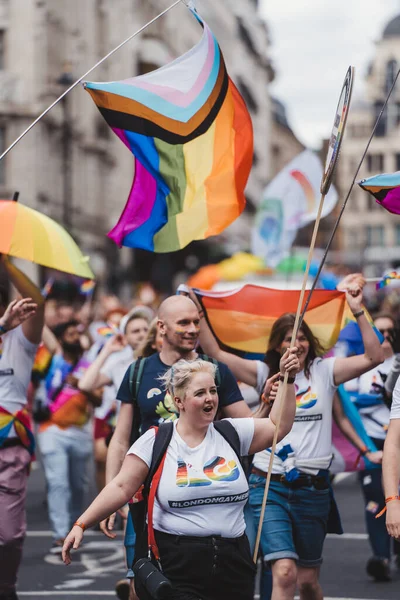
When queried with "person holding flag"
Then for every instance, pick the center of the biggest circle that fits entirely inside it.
(300, 501)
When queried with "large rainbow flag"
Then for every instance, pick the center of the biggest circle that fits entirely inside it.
(191, 135)
(242, 319)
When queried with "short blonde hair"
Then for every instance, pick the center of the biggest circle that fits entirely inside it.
(178, 377)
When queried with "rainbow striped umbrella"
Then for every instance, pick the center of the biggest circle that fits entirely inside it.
(26, 233)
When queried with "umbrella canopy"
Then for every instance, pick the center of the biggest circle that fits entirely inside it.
(26, 233)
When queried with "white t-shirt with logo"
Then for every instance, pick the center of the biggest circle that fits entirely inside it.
(375, 418)
(114, 368)
(395, 408)
(311, 435)
(16, 361)
(116, 365)
(202, 490)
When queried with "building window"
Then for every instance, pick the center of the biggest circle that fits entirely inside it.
(2, 148)
(248, 96)
(381, 129)
(371, 202)
(391, 71)
(375, 235)
(375, 162)
(246, 37)
(2, 49)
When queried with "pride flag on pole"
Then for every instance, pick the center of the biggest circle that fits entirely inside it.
(191, 135)
(242, 319)
(385, 189)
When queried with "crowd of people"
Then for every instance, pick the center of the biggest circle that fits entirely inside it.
(146, 394)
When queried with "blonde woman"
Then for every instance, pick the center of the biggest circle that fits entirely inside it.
(198, 512)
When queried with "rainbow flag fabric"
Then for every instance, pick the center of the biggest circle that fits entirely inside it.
(242, 319)
(385, 189)
(21, 422)
(191, 135)
(386, 279)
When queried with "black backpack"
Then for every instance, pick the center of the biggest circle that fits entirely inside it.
(162, 440)
(135, 377)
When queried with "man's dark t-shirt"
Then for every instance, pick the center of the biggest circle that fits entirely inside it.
(157, 406)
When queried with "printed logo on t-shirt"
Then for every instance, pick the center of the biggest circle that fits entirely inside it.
(166, 409)
(153, 392)
(216, 469)
(306, 398)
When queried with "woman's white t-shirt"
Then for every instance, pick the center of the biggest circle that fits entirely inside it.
(311, 435)
(202, 490)
(376, 417)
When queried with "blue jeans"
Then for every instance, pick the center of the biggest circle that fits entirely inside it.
(65, 455)
(129, 543)
(295, 521)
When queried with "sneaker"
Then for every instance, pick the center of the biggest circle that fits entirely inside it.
(379, 568)
(122, 589)
(56, 547)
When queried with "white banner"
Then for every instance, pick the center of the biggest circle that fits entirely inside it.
(289, 202)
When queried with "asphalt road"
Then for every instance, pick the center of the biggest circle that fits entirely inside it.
(99, 564)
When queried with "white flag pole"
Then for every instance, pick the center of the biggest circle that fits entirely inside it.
(48, 109)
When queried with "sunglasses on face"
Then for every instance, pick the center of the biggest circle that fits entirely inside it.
(390, 331)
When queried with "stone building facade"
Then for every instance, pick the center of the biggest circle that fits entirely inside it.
(369, 234)
(71, 166)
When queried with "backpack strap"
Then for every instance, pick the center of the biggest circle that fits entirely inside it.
(161, 443)
(229, 433)
(215, 363)
(135, 377)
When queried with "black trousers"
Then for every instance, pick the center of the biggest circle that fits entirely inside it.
(207, 568)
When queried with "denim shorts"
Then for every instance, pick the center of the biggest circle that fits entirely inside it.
(295, 521)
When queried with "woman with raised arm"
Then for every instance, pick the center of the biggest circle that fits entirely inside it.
(198, 510)
(300, 500)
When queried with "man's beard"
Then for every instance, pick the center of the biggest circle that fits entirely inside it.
(75, 349)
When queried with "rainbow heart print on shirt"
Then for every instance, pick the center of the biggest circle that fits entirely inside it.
(306, 398)
(217, 469)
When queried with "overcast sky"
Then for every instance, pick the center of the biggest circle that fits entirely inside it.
(313, 42)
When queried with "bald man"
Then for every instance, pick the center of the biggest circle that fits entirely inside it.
(179, 325)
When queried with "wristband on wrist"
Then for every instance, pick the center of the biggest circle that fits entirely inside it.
(289, 379)
(387, 500)
(266, 400)
(80, 524)
(361, 452)
(2, 329)
(358, 314)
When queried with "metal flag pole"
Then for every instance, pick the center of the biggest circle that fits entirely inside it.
(314, 284)
(48, 109)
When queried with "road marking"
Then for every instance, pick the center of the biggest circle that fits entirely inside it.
(347, 536)
(341, 477)
(48, 533)
(55, 593)
(74, 584)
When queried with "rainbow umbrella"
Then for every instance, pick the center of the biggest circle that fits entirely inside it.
(26, 233)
